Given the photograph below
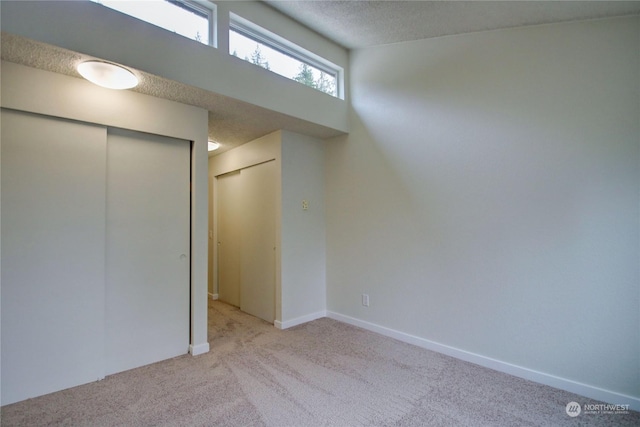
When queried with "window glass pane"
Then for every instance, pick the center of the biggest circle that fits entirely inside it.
(273, 60)
(171, 15)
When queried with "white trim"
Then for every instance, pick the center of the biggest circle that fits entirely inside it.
(196, 350)
(211, 9)
(518, 371)
(213, 296)
(200, 7)
(299, 320)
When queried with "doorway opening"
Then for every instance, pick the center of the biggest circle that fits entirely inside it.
(244, 239)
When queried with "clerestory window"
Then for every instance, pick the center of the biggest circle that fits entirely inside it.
(254, 44)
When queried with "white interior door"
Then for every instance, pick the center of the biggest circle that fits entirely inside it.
(229, 237)
(53, 249)
(257, 284)
(147, 262)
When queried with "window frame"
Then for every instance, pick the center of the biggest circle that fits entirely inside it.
(206, 8)
(263, 36)
(200, 7)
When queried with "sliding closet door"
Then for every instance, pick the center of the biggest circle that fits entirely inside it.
(258, 266)
(53, 249)
(246, 214)
(147, 263)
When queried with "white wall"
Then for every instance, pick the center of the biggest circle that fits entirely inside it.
(91, 29)
(487, 199)
(303, 231)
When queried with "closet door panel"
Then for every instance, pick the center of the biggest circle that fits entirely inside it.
(148, 259)
(258, 264)
(53, 251)
(229, 237)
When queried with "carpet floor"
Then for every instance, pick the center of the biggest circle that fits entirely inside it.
(323, 373)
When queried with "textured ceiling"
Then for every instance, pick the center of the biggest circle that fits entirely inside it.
(231, 122)
(363, 23)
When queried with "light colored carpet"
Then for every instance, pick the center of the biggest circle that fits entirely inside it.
(323, 373)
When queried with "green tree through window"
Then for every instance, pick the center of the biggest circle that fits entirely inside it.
(258, 58)
(326, 84)
(305, 76)
(323, 83)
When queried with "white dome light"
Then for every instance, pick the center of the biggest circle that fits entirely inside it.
(213, 145)
(107, 75)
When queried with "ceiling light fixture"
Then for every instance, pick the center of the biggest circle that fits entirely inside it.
(107, 75)
(213, 145)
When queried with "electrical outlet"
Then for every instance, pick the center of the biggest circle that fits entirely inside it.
(365, 300)
(305, 205)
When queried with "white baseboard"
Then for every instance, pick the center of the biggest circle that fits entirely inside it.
(213, 296)
(518, 371)
(299, 320)
(197, 349)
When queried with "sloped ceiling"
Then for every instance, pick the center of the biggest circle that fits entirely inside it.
(363, 23)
